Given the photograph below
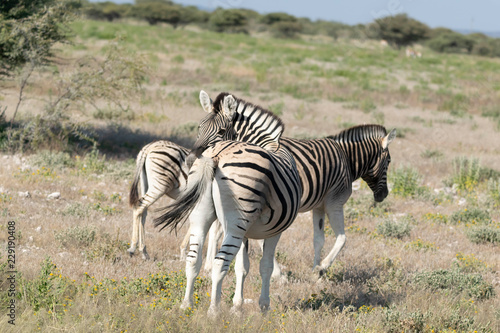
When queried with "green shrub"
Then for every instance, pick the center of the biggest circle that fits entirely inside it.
(484, 234)
(286, 29)
(107, 248)
(494, 190)
(457, 282)
(47, 290)
(393, 229)
(228, 20)
(470, 216)
(465, 173)
(406, 182)
(451, 42)
(76, 209)
(400, 30)
(76, 237)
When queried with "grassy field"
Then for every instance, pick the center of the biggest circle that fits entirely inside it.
(424, 260)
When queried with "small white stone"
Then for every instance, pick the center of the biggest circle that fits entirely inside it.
(39, 228)
(24, 194)
(55, 195)
(462, 201)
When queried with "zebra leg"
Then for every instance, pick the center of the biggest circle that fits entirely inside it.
(142, 236)
(335, 211)
(213, 239)
(138, 213)
(277, 269)
(319, 234)
(201, 219)
(230, 246)
(184, 245)
(241, 268)
(266, 269)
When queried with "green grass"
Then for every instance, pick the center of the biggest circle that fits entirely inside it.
(281, 66)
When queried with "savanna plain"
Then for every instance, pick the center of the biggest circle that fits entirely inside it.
(424, 260)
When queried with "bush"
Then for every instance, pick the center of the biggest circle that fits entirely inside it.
(76, 236)
(400, 30)
(456, 281)
(465, 173)
(470, 216)
(494, 190)
(155, 12)
(451, 42)
(484, 234)
(406, 182)
(108, 11)
(29, 31)
(286, 29)
(228, 20)
(273, 18)
(392, 229)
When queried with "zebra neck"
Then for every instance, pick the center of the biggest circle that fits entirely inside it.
(359, 156)
(255, 125)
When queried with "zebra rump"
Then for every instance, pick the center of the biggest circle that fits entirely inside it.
(134, 189)
(201, 176)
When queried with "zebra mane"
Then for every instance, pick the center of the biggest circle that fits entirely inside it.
(360, 133)
(253, 124)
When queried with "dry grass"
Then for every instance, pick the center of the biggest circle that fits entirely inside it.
(370, 287)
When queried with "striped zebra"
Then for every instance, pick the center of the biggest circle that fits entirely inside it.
(252, 188)
(160, 170)
(327, 168)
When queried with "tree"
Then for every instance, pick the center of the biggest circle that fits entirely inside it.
(105, 11)
(452, 42)
(156, 11)
(400, 30)
(228, 20)
(29, 29)
(272, 18)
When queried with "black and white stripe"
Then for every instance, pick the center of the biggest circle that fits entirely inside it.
(160, 170)
(252, 187)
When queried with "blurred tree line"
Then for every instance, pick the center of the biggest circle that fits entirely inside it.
(399, 30)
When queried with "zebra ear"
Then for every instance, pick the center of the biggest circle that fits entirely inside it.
(229, 106)
(206, 102)
(388, 139)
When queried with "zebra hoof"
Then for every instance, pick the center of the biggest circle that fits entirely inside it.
(213, 312)
(131, 251)
(145, 255)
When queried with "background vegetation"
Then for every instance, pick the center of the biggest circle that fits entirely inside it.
(424, 260)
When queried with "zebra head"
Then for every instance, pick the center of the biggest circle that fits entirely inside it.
(376, 177)
(216, 126)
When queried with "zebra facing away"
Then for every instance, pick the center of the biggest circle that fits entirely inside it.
(160, 170)
(327, 167)
(253, 190)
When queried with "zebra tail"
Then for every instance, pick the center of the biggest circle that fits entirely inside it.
(134, 189)
(200, 177)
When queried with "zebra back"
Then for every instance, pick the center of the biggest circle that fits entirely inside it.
(167, 161)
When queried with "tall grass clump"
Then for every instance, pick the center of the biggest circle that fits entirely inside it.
(468, 173)
(406, 182)
(494, 191)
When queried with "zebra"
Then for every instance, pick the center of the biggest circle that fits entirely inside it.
(160, 170)
(252, 188)
(327, 167)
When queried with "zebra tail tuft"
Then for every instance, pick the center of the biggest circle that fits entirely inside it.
(134, 189)
(200, 177)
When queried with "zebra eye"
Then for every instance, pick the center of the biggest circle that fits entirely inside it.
(221, 131)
